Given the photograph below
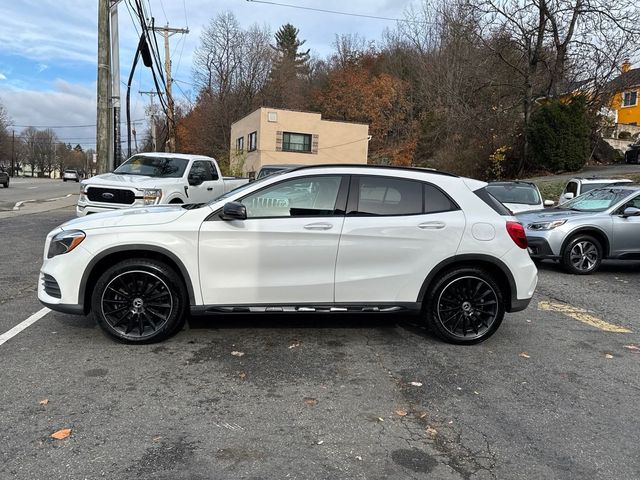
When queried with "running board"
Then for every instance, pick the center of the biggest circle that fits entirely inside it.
(337, 308)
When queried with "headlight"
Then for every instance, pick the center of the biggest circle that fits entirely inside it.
(64, 242)
(152, 196)
(83, 193)
(546, 225)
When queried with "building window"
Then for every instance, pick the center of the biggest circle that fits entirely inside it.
(296, 142)
(253, 142)
(240, 145)
(630, 99)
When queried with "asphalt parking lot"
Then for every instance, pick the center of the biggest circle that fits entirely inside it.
(554, 394)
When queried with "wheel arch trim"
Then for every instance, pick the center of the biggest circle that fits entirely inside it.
(182, 270)
(468, 260)
(589, 230)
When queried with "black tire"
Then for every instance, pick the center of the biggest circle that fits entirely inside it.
(140, 301)
(582, 255)
(6, 184)
(64, 179)
(176, 201)
(464, 306)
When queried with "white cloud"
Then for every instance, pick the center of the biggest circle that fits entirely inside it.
(3, 76)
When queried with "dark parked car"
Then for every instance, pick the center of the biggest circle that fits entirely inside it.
(633, 154)
(4, 178)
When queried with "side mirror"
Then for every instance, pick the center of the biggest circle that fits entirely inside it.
(631, 212)
(568, 195)
(234, 211)
(548, 203)
(195, 180)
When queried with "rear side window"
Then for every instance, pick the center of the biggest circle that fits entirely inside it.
(389, 196)
(490, 200)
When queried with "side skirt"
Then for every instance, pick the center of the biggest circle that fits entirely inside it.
(391, 307)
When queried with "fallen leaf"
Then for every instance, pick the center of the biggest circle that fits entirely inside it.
(294, 345)
(44, 402)
(156, 439)
(311, 402)
(431, 431)
(524, 355)
(380, 419)
(635, 348)
(358, 457)
(477, 393)
(424, 414)
(608, 355)
(416, 384)
(401, 412)
(237, 354)
(319, 442)
(242, 375)
(61, 434)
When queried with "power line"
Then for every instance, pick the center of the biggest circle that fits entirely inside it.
(335, 12)
(61, 126)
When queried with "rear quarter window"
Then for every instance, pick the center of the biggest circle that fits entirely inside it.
(490, 200)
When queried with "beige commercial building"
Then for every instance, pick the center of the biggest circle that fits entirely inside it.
(271, 136)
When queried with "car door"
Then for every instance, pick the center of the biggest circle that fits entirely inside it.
(396, 230)
(205, 191)
(626, 230)
(283, 253)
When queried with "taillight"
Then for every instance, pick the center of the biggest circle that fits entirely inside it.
(516, 232)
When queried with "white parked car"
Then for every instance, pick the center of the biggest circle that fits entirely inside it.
(578, 186)
(72, 175)
(153, 179)
(518, 196)
(325, 239)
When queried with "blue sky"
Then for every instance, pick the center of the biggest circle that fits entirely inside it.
(48, 49)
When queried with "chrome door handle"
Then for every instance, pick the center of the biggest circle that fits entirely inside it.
(432, 225)
(318, 226)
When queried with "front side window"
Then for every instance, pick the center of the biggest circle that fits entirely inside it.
(306, 196)
(240, 145)
(253, 141)
(202, 169)
(296, 142)
(572, 187)
(162, 167)
(630, 99)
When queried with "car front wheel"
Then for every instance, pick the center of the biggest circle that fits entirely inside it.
(582, 255)
(139, 301)
(465, 306)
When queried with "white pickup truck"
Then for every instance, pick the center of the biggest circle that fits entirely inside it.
(155, 178)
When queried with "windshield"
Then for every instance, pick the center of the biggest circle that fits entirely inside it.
(163, 167)
(515, 193)
(587, 187)
(596, 200)
(265, 172)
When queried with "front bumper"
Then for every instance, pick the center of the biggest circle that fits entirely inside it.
(539, 248)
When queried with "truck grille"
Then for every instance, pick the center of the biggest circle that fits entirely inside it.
(111, 195)
(51, 287)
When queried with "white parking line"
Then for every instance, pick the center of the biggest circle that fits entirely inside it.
(21, 326)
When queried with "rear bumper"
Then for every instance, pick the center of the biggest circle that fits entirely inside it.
(518, 305)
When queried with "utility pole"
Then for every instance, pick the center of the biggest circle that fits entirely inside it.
(13, 153)
(171, 134)
(104, 70)
(115, 85)
(154, 146)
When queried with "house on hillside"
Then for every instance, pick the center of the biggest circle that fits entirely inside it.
(626, 88)
(270, 136)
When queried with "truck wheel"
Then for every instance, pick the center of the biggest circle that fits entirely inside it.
(464, 306)
(140, 301)
(175, 201)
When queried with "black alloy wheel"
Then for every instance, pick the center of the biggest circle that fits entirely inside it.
(582, 255)
(465, 306)
(139, 301)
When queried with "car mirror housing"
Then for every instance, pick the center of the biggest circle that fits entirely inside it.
(631, 212)
(549, 203)
(569, 195)
(234, 211)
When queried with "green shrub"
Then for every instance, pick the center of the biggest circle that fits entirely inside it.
(558, 136)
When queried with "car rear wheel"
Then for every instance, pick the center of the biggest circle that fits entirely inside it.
(139, 301)
(465, 306)
(6, 184)
(582, 255)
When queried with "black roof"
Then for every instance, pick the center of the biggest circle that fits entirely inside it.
(510, 182)
(625, 80)
(381, 167)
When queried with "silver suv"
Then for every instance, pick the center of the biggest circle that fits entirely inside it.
(603, 223)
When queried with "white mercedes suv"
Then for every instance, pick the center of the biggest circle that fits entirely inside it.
(323, 239)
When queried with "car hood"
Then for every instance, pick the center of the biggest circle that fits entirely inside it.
(550, 214)
(128, 217)
(136, 181)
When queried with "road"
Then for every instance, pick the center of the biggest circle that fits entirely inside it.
(552, 395)
(34, 189)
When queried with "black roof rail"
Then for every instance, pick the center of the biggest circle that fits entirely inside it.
(381, 167)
